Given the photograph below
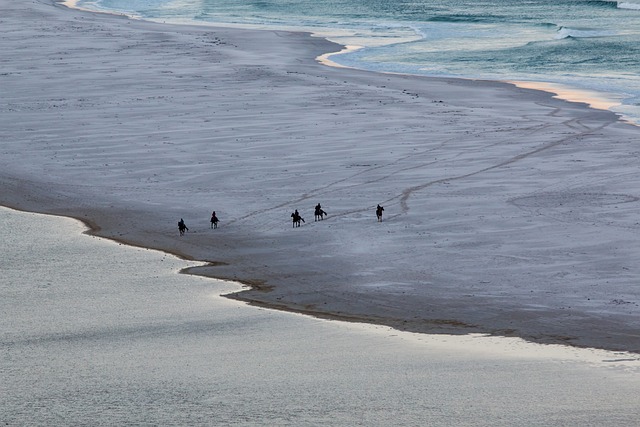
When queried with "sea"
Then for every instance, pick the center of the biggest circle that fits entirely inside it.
(589, 49)
(96, 333)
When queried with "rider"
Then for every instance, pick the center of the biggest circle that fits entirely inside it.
(214, 220)
(182, 226)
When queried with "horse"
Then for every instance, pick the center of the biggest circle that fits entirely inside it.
(319, 213)
(379, 210)
(182, 227)
(296, 218)
(214, 220)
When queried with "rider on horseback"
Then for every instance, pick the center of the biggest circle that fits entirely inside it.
(296, 218)
(319, 213)
(214, 220)
(182, 227)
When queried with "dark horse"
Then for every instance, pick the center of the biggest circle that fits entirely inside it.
(182, 227)
(296, 218)
(379, 210)
(319, 213)
(214, 220)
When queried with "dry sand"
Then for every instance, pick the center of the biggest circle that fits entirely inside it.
(507, 211)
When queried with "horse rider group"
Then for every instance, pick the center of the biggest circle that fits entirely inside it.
(296, 218)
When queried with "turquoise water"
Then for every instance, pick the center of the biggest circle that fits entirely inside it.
(588, 44)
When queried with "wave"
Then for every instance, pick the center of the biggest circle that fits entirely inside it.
(628, 5)
(466, 18)
(566, 32)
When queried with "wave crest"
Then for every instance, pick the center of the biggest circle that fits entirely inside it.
(628, 5)
(565, 32)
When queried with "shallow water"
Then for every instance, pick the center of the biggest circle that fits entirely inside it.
(590, 45)
(96, 333)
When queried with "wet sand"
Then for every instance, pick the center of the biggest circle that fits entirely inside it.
(98, 333)
(507, 211)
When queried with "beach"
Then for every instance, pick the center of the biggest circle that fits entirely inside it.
(507, 211)
(99, 333)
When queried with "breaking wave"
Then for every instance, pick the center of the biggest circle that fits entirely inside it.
(565, 32)
(628, 5)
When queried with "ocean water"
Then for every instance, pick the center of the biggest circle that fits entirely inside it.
(97, 333)
(586, 45)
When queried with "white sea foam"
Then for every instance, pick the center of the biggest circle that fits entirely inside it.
(628, 5)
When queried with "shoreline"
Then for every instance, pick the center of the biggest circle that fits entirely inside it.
(594, 99)
(244, 256)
